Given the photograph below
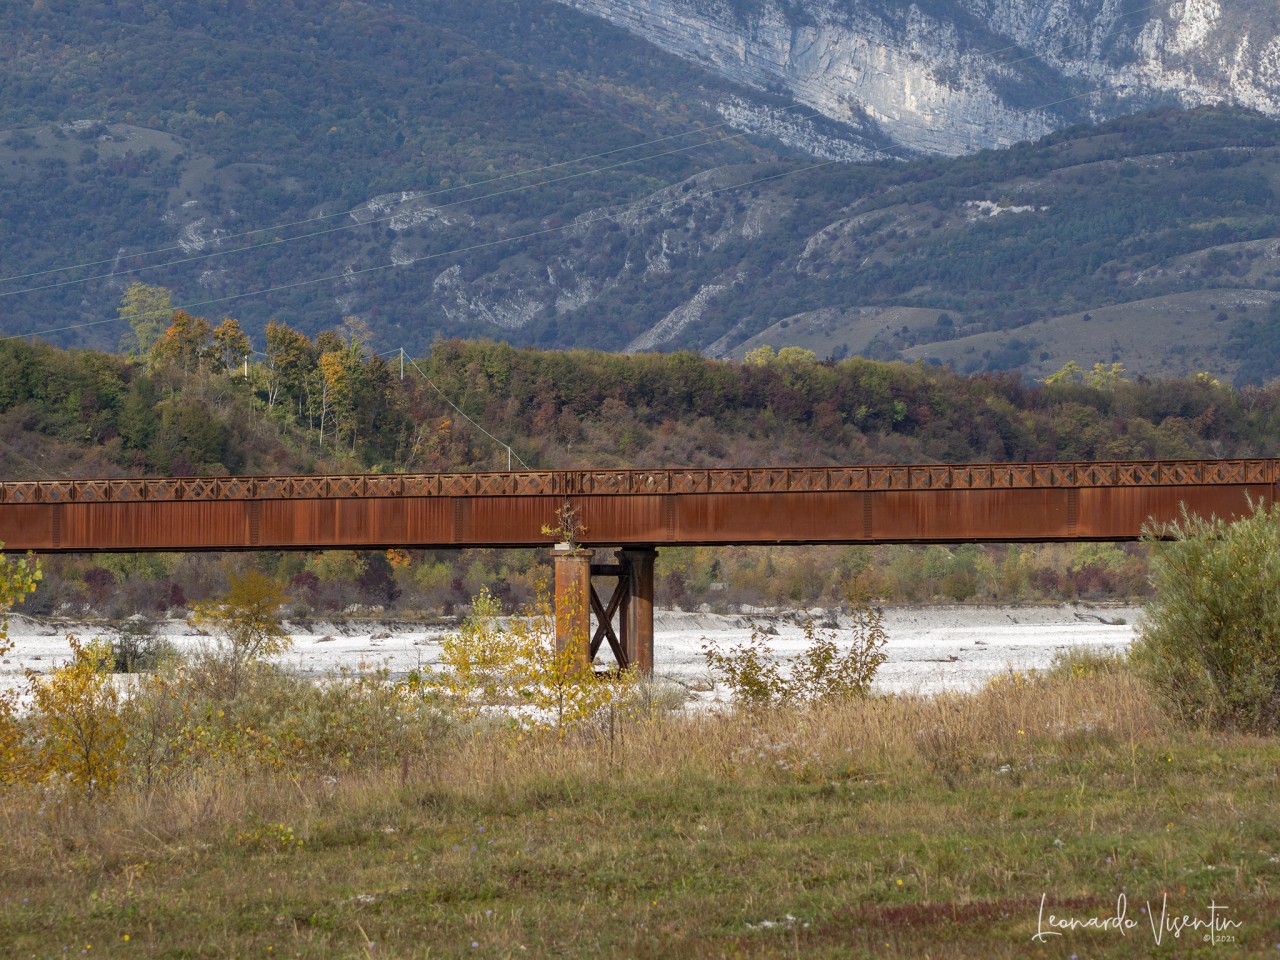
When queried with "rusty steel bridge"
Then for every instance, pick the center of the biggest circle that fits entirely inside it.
(636, 511)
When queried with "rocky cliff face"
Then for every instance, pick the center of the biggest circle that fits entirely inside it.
(953, 76)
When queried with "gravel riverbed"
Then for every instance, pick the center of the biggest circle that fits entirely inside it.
(931, 648)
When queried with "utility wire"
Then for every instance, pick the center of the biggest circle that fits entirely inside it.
(366, 223)
(462, 413)
(420, 196)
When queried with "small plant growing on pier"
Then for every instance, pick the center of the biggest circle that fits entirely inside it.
(568, 527)
(821, 673)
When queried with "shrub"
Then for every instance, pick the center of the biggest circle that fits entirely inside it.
(821, 672)
(247, 624)
(17, 579)
(1210, 643)
(489, 663)
(76, 720)
(1084, 663)
(137, 649)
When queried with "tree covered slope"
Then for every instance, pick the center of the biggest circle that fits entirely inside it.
(519, 170)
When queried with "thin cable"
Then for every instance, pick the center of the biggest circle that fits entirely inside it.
(432, 256)
(421, 196)
(462, 413)
(366, 223)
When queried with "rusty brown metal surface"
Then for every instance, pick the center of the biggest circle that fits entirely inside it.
(572, 483)
(637, 609)
(863, 504)
(573, 594)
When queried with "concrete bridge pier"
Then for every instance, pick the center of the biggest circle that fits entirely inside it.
(585, 622)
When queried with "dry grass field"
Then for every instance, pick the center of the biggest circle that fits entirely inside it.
(890, 826)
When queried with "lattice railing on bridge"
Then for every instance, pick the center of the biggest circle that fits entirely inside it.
(975, 476)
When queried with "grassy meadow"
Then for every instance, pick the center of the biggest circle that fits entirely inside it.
(887, 826)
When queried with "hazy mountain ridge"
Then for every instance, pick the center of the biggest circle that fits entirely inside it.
(1149, 223)
(127, 125)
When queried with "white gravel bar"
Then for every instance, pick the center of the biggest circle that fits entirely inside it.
(931, 648)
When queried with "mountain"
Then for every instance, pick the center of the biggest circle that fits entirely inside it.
(193, 128)
(1153, 241)
(954, 76)
(524, 170)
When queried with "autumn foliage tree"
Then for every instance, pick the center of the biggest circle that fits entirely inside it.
(77, 721)
(185, 343)
(18, 578)
(246, 622)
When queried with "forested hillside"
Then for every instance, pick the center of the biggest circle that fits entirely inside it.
(516, 169)
(184, 405)
(131, 127)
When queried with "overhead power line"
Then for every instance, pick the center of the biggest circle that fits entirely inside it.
(361, 223)
(196, 305)
(462, 413)
(473, 247)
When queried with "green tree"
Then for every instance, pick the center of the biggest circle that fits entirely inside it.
(1208, 644)
(147, 309)
(290, 358)
(230, 345)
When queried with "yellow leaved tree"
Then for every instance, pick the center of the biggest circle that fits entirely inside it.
(18, 577)
(511, 667)
(76, 721)
(246, 623)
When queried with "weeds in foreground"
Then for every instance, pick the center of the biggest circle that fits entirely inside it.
(678, 835)
(513, 669)
(363, 816)
(821, 672)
